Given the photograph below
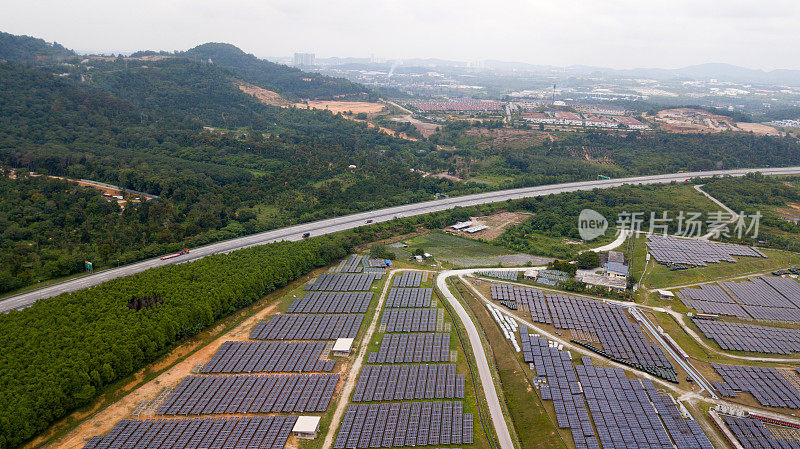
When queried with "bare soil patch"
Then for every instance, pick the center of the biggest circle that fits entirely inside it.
(497, 224)
(757, 128)
(336, 107)
(263, 95)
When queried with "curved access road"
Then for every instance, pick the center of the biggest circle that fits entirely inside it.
(337, 224)
(485, 373)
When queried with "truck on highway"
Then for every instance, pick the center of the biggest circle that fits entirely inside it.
(306, 235)
(178, 254)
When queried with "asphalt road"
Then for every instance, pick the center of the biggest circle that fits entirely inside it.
(352, 221)
(485, 373)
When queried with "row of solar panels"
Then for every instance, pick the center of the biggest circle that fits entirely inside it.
(403, 424)
(754, 434)
(409, 297)
(750, 337)
(290, 326)
(269, 357)
(343, 282)
(331, 302)
(412, 348)
(670, 250)
(767, 385)
(409, 279)
(618, 336)
(259, 432)
(411, 319)
(398, 382)
(248, 393)
(622, 410)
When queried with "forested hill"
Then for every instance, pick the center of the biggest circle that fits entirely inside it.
(287, 81)
(223, 164)
(26, 49)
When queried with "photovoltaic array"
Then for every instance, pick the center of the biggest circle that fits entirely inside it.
(399, 382)
(763, 298)
(402, 424)
(754, 434)
(411, 319)
(343, 282)
(308, 327)
(603, 328)
(247, 393)
(409, 279)
(627, 413)
(412, 348)
(331, 302)
(269, 357)
(670, 250)
(711, 299)
(505, 275)
(409, 297)
(750, 337)
(762, 301)
(334, 309)
(767, 385)
(258, 432)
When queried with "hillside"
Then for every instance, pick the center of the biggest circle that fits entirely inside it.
(27, 49)
(288, 81)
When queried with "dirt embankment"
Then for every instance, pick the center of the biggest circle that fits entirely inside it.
(263, 95)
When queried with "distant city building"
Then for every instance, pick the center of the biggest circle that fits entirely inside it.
(304, 59)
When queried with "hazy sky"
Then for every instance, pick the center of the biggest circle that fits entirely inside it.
(761, 34)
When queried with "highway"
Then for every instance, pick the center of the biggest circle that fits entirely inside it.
(484, 372)
(337, 224)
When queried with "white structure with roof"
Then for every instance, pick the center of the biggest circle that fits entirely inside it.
(461, 225)
(306, 427)
(665, 294)
(342, 346)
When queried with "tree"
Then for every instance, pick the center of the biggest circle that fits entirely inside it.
(588, 260)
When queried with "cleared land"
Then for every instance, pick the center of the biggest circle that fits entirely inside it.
(497, 223)
(356, 107)
(463, 252)
(263, 95)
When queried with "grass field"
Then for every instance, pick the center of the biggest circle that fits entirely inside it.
(533, 426)
(462, 252)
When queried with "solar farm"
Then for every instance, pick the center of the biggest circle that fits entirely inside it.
(409, 279)
(767, 385)
(412, 319)
(308, 327)
(269, 357)
(255, 432)
(331, 302)
(246, 393)
(505, 275)
(601, 406)
(763, 298)
(412, 348)
(403, 424)
(750, 337)
(343, 282)
(671, 251)
(409, 297)
(282, 369)
(603, 328)
(754, 434)
(404, 382)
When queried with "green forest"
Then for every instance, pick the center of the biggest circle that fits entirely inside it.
(775, 199)
(554, 221)
(60, 353)
(224, 165)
